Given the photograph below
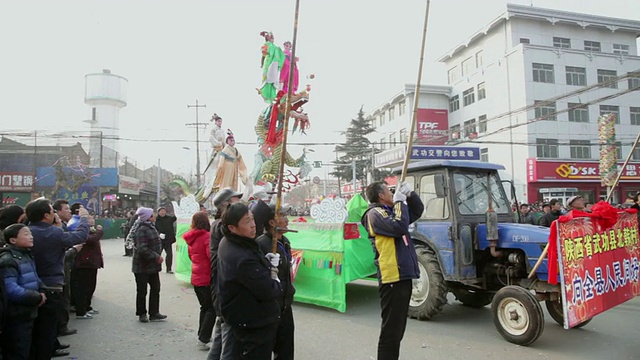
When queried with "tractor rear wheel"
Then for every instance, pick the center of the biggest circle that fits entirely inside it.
(429, 294)
(473, 298)
(517, 315)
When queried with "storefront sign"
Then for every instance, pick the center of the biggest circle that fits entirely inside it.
(600, 267)
(16, 181)
(575, 171)
(444, 153)
(433, 126)
(128, 185)
(391, 158)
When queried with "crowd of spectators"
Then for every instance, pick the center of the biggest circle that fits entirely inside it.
(543, 213)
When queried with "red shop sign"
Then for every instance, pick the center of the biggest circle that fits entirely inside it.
(575, 171)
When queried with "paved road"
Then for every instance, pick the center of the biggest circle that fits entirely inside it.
(458, 333)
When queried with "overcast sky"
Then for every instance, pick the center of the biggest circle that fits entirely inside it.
(361, 52)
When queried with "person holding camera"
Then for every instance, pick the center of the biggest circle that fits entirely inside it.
(50, 242)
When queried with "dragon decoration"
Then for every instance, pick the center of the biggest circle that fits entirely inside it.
(276, 72)
(269, 128)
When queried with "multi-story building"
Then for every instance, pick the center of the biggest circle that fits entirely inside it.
(532, 84)
(392, 121)
(528, 89)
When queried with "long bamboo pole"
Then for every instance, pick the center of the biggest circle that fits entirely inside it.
(416, 97)
(285, 128)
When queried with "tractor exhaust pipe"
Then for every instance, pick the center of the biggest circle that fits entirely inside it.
(492, 223)
(492, 232)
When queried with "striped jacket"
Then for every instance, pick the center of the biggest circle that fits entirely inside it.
(388, 230)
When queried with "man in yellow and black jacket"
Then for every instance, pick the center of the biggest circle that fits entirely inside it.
(387, 221)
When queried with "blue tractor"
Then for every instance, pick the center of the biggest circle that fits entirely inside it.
(469, 244)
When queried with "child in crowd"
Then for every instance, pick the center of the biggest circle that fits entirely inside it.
(22, 284)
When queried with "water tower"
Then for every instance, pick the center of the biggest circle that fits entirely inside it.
(106, 93)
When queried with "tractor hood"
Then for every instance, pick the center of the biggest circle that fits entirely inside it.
(510, 233)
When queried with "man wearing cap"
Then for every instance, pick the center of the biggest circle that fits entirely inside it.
(576, 203)
(164, 225)
(554, 213)
(222, 342)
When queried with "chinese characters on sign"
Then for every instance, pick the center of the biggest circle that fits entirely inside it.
(391, 157)
(16, 181)
(395, 156)
(576, 171)
(445, 153)
(433, 126)
(599, 268)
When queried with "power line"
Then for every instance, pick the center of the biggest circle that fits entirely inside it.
(82, 135)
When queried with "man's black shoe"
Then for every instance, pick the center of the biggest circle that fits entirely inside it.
(59, 353)
(157, 317)
(63, 346)
(67, 331)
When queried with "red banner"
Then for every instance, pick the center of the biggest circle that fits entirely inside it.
(433, 126)
(576, 171)
(600, 267)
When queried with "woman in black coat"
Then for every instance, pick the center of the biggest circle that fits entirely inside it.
(248, 286)
(146, 265)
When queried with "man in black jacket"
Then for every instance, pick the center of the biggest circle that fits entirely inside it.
(265, 215)
(49, 246)
(165, 226)
(248, 286)
(552, 215)
(222, 342)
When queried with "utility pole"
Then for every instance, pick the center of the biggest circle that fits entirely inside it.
(353, 164)
(158, 185)
(197, 125)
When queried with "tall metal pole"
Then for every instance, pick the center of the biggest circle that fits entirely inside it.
(324, 183)
(353, 174)
(158, 186)
(416, 97)
(197, 126)
(101, 149)
(285, 128)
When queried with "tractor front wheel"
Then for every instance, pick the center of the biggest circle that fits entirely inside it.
(517, 315)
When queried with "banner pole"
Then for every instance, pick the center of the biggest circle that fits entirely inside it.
(416, 97)
(285, 128)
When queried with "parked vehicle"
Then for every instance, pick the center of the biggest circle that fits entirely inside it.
(468, 244)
